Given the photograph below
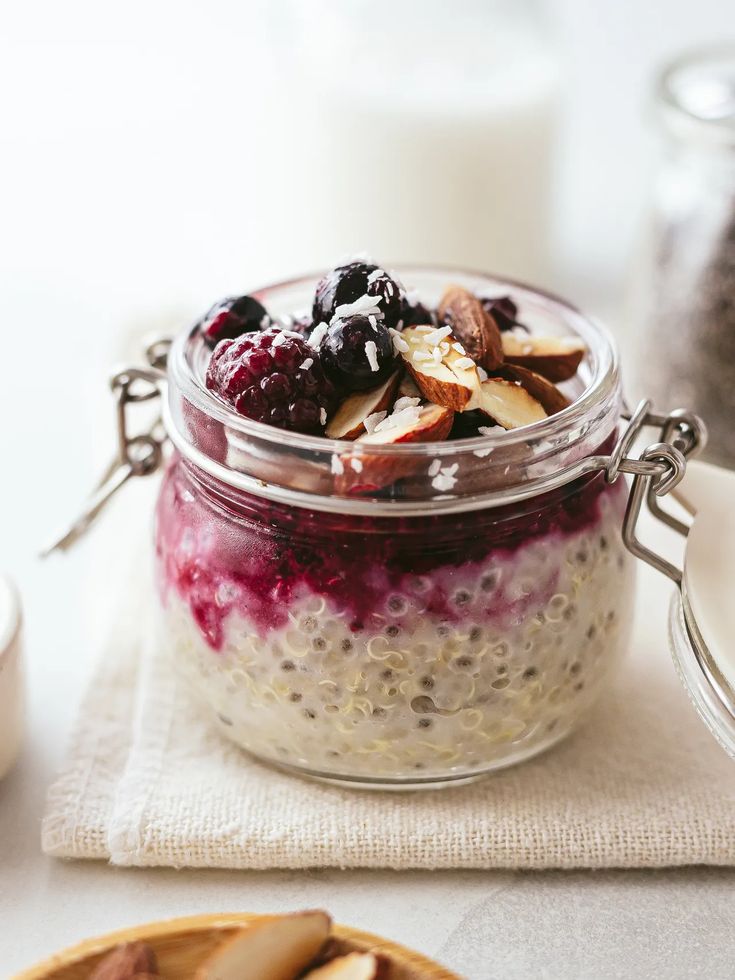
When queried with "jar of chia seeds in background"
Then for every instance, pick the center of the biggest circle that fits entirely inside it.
(684, 287)
(364, 621)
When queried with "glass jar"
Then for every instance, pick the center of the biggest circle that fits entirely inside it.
(684, 287)
(415, 614)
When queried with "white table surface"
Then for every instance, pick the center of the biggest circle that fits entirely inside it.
(113, 210)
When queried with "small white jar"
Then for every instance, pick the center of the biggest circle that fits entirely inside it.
(11, 676)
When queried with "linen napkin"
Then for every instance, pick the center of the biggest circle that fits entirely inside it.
(149, 781)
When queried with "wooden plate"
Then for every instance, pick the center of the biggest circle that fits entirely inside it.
(181, 945)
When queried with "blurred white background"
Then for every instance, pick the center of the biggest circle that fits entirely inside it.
(155, 155)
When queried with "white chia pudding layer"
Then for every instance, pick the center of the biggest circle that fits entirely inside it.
(413, 696)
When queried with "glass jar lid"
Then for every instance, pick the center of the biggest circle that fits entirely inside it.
(702, 617)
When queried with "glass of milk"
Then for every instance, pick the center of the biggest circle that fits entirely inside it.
(426, 131)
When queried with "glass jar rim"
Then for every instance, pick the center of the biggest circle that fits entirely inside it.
(573, 427)
(684, 117)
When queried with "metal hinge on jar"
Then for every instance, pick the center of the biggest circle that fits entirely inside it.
(139, 454)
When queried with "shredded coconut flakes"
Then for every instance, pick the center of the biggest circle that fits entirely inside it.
(356, 464)
(406, 401)
(305, 365)
(363, 304)
(371, 352)
(317, 335)
(323, 415)
(437, 334)
(436, 465)
(464, 363)
(372, 420)
(337, 465)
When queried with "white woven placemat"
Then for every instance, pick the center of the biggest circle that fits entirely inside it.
(149, 782)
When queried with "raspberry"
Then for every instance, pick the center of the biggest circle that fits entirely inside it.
(273, 377)
(351, 282)
(232, 317)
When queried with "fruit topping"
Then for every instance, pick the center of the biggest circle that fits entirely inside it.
(232, 317)
(556, 358)
(470, 425)
(274, 377)
(509, 404)
(472, 326)
(415, 314)
(357, 351)
(440, 367)
(504, 311)
(356, 284)
(351, 418)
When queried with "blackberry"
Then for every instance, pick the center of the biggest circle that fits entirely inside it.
(273, 377)
(232, 317)
(504, 311)
(466, 425)
(351, 282)
(416, 314)
(357, 352)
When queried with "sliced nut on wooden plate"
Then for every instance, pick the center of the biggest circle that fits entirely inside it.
(472, 326)
(125, 962)
(273, 949)
(354, 966)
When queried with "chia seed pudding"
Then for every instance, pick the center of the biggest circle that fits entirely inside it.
(412, 618)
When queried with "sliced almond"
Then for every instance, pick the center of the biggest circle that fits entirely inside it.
(272, 949)
(125, 962)
(509, 404)
(354, 966)
(538, 386)
(429, 423)
(348, 421)
(555, 358)
(438, 381)
(432, 423)
(472, 326)
(408, 388)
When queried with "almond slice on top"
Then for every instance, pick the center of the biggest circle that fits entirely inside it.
(420, 423)
(408, 387)
(537, 386)
(555, 358)
(354, 966)
(509, 404)
(472, 326)
(280, 948)
(348, 421)
(441, 381)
